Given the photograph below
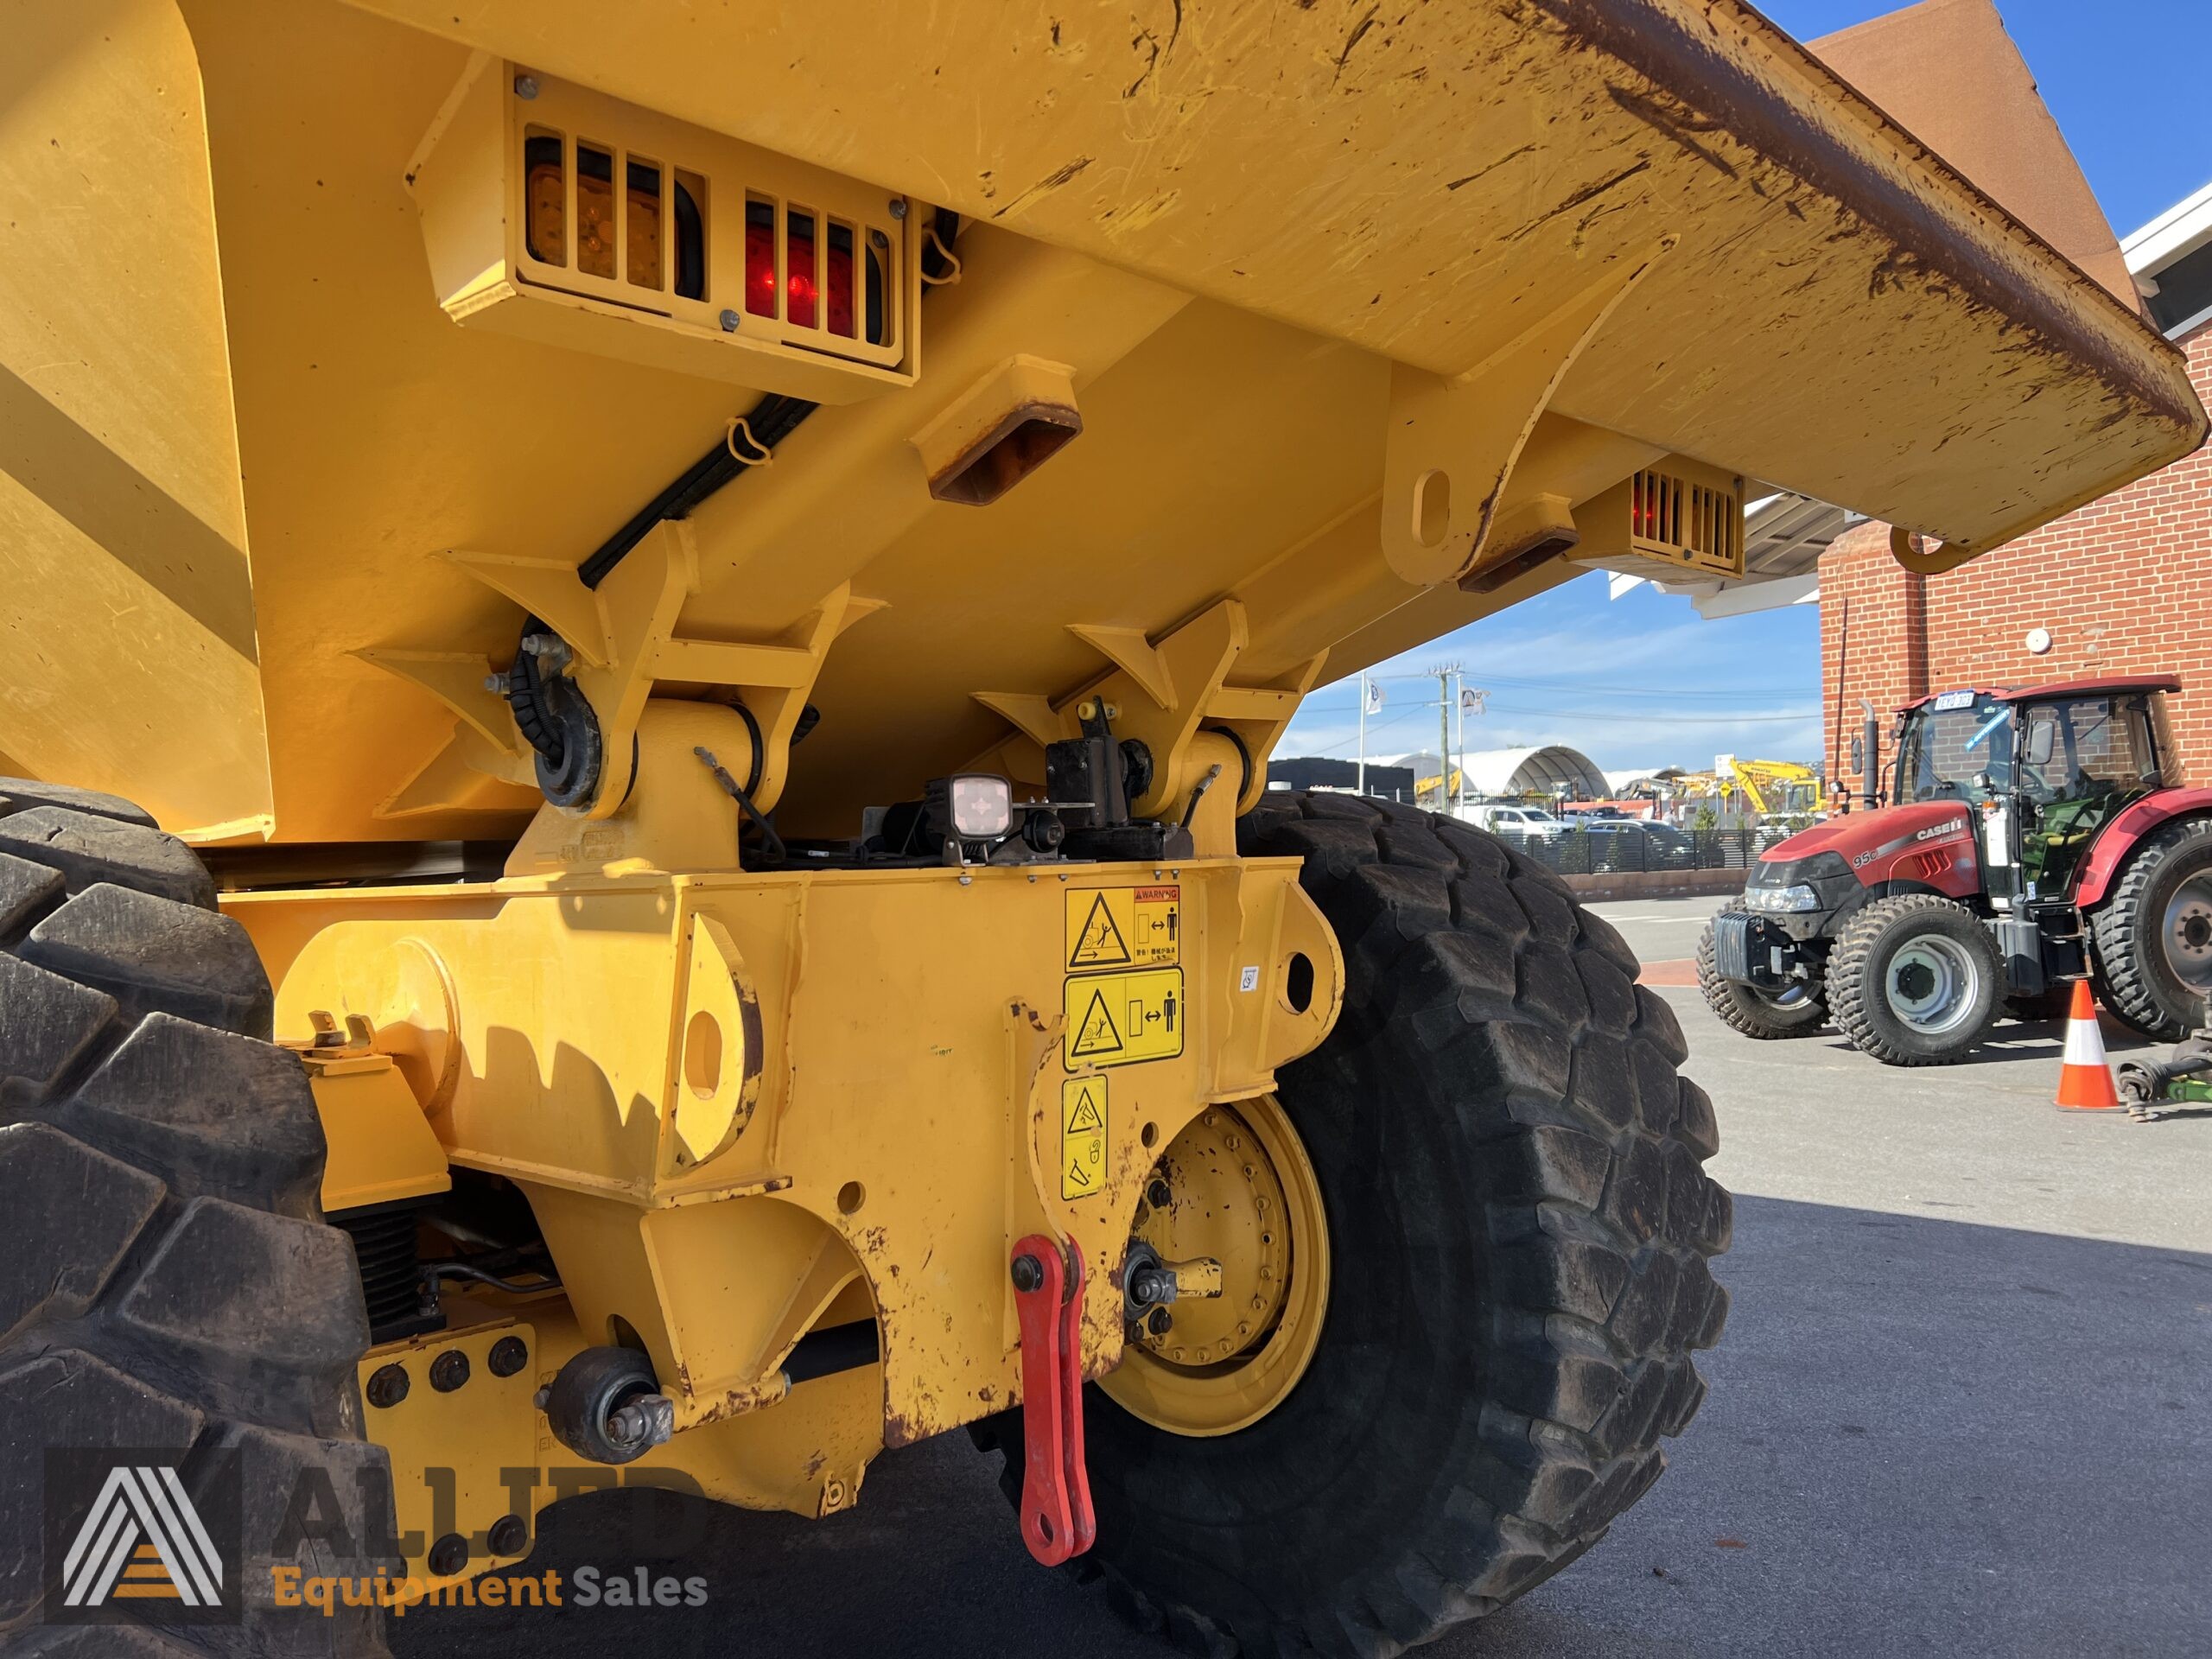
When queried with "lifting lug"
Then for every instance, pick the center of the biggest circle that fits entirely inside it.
(1057, 1522)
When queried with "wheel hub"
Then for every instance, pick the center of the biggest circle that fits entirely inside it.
(1234, 1187)
(1931, 984)
(2189, 932)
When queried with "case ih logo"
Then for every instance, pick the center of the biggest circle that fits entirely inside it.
(1934, 832)
(125, 1541)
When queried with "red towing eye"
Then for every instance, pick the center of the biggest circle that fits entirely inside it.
(1056, 1518)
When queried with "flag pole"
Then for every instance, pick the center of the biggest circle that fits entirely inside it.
(1363, 731)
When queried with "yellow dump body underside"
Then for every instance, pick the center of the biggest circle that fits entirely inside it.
(247, 453)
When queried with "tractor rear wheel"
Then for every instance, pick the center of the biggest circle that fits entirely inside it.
(168, 1285)
(1797, 1012)
(1915, 979)
(1508, 1169)
(2152, 946)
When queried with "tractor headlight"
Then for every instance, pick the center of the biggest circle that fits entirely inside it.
(1800, 897)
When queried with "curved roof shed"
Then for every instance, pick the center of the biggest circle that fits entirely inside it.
(1547, 771)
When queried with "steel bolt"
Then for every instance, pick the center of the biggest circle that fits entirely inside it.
(1158, 1196)
(449, 1555)
(644, 1419)
(898, 206)
(1159, 1321)
(449, 1371)
(388, 1386)
(510, 1535)
(1028, 1273)
(729, 321)
(508, 1355)
(526, 86)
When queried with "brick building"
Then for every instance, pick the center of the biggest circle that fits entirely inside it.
(2121, 586)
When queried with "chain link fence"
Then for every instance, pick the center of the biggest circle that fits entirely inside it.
(1616, 847)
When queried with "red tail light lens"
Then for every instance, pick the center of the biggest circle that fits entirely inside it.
(760, 268)
(803, 301)
(799, 285)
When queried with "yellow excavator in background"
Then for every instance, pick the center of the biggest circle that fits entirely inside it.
(1774, 788)
(1438, 792)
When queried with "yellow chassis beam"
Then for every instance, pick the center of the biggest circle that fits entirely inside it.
(748, 1106)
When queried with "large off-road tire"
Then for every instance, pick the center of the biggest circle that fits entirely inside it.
(1799, 1013)
(167, 1282)
(2152, 943)
(1915, 979)
(1518, 1232)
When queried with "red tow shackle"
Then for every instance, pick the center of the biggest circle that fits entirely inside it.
(1057, 1522)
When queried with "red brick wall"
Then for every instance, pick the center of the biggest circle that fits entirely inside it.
(2124, 585)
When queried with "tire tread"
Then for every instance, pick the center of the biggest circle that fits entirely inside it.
(174, 1283)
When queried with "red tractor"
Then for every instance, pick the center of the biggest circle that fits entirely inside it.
(2030, 836)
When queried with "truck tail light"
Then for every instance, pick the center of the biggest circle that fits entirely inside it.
(818, 292)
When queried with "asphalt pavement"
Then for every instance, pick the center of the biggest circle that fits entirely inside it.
(1963, 1406)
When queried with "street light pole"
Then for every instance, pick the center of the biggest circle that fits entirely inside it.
(1446, 674)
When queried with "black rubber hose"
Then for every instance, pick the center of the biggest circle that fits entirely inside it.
(770, 421)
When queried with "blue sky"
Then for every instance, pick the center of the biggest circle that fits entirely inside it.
(2125, 80)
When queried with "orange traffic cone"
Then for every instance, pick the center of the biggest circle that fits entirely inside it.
(2084, 1075)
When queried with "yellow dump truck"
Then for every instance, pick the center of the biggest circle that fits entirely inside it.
(643, 644)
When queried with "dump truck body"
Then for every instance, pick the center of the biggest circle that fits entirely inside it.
(718, 591)
(1790, 289)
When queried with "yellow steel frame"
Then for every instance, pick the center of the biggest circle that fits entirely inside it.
(748, 1105)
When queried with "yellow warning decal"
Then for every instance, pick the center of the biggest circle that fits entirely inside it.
(1124, 927)
(1083, 1136)
(1122, 1019)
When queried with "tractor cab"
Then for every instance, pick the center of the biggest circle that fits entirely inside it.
(2044, 770)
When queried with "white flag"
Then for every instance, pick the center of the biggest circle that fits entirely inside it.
(1374, 697)
(1470, 700)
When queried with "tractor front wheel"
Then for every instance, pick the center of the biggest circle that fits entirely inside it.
(1915, 979)
(2152, 946)
(1506, 1168)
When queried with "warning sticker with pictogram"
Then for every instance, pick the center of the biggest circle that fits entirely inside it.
(1124, 927)
(1083, 1136)
(1124, 1018)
